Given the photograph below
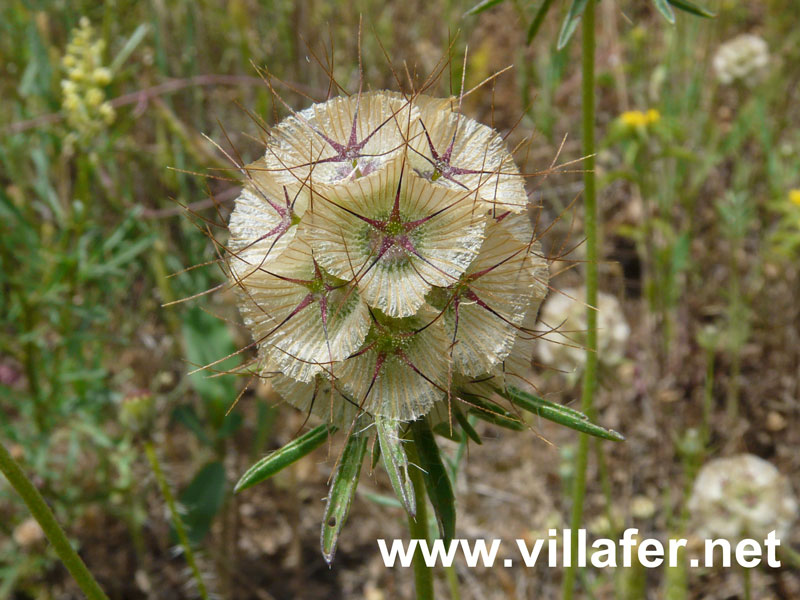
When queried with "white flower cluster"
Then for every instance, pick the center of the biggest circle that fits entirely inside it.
(744, 59)
(741, 496)
(84, 101)
(562, 345)
(384, 258)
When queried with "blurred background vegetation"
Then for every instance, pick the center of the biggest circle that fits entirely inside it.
(103, 107)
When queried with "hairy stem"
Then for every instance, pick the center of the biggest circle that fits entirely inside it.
(418, 527)
(175, 516)
(47, 521)
(590, 209)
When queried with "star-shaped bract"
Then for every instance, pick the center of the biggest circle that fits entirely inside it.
(460, 153)
(342, 139)
(313, 319)
(396, 235)
(264, 221)
(402, 368)
(488, 303)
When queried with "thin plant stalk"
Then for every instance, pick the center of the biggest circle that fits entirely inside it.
(177, 522)
(418, 528)
(590, 209)
(47, 521)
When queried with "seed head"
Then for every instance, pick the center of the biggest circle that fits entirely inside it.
(384, 257)
(744, 59)
(742, 496)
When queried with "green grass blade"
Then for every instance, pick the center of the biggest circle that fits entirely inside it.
(130, 45)
(340, 496)
(538, 19)
(395, 462)
(437, 483)
(280, 459)
(482, 6)
(560, 414)
(692, 8)
(666, 10)
(571, 22)
(492, 413)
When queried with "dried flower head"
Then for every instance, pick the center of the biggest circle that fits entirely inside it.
(384, 257)
(742, 496)
(562, 346)
(743, 59)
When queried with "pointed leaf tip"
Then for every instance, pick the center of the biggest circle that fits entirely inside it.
(563, 415)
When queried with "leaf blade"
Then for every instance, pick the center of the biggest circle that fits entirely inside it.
(482, 6)
(692, 8)
(538, 19)
(437, 482)
(570, 23)
(666, 10)
(340, 496)
(282, 458)
(560, 414)
(395, 462)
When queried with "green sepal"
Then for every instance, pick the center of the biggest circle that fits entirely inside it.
(560, 414)
(692, 8)
(343, 488)
(570, 23)
(437, 483)
(395, 462)
(493, 413)
(285, 456)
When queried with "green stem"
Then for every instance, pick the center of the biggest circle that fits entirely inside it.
(175, 516)
(748, 589)
(47, 521)
(418, 528)
(590, 209)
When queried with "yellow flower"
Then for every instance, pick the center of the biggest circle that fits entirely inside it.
(794, 196)
(633, 118)
(637, 119)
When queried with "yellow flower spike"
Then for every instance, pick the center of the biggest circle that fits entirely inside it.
(794, 197)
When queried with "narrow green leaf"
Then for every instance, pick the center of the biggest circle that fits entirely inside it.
(482, 6)
(692, 8)
(571, 22)
(395, 462)
(491, 412)
(466, 426)
(538, 19)
(202, 499)
(437, 483)
(447, 431)
(560, 414)
(280, 459)
(666, 10)
(340, 496)
(376, 453)
(130, 45)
